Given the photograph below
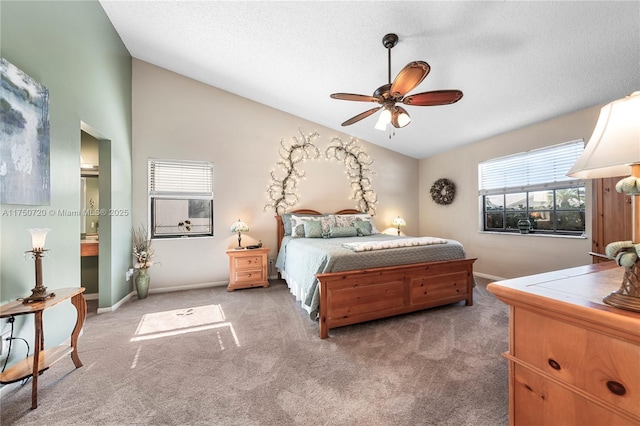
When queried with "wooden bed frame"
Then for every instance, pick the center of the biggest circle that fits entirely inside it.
(351, 297)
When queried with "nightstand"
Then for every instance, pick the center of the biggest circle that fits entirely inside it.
(248, 268)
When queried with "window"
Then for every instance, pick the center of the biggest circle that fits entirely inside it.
(534, 185)
(181, 198)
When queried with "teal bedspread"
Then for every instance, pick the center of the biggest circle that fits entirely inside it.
(300, 259)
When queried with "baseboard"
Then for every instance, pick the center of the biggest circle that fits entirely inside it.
(189, 287)
(91, 296)
(487, 276)
(117, 304)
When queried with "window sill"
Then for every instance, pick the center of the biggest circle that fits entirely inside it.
(533, 234)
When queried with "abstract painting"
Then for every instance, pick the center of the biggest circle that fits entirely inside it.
(24, 138)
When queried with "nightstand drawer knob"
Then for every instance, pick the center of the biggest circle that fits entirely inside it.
(554, 364)
(616, 388)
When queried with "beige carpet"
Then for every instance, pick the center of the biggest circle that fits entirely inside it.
(253, 357)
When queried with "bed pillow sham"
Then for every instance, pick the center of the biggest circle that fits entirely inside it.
(350, 219)
(297, 224)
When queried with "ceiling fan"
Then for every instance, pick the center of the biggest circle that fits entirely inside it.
(390, 94)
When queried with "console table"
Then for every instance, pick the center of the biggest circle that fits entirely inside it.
(46, 357)
(573, 360)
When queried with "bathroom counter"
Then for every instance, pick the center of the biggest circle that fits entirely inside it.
(88, 248)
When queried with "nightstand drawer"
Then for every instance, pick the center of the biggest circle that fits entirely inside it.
(248, 262)
(246, 276)
(604, 366)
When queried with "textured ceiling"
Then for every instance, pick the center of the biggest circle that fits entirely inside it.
(518, 63)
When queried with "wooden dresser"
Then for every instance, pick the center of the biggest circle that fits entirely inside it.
(572, 359)
(248, 268)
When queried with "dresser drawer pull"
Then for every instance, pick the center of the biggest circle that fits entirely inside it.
(554, 364)
(616, 388)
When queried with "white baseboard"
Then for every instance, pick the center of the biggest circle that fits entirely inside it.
(117, 304)
(189, 287)
(487, 276)
(90, 296)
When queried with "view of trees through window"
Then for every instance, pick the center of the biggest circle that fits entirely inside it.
(557, 211)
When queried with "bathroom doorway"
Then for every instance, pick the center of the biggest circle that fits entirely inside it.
(90, 214)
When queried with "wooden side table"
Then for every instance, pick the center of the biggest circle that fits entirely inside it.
(46, 357)
(248, 268)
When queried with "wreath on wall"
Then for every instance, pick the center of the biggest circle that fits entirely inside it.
(443, 191)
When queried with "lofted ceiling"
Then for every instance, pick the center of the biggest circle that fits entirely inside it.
(517, 63)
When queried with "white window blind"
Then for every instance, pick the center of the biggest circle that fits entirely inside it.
(180, 179)
(539, 169)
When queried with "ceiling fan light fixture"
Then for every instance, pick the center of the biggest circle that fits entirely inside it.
(384, 119)
(400, 117)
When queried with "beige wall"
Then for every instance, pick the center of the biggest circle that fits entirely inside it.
(178, 118)
(500, 255)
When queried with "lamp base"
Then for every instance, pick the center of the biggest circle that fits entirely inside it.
(38, 294)
(628, 295)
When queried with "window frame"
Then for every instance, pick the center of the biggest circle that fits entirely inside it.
(180, 192)
(529, 170)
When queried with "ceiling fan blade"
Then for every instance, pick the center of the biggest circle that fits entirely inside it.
(354, 97)
(436, 97)
(409, 77)
(361, 116)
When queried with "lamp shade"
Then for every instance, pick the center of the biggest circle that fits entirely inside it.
(400, 117)
(398, 222)
(615, 143)
(38, 236)
(239, 226)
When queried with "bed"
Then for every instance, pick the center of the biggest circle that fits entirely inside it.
(345, 280)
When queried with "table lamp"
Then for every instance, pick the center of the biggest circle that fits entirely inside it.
(614, 150)
(239, 227)
(39, 292)
(398, 222)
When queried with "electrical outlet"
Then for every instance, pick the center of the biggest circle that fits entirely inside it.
(5, 342)
(128, 274)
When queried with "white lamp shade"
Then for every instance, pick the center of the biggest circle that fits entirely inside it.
(239, 226)
(615, 143)
(399, 222)
(384, 119)
(38, 236)
(400, 117)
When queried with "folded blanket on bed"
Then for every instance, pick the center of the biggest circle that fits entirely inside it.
(388, 244)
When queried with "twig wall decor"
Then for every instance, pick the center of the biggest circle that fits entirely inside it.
(357, 163)
(282, 191)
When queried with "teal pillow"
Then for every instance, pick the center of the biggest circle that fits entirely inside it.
(363, 227)
(286, 221)
(343, 231)
(312, 229)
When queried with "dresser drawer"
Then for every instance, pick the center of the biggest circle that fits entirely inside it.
(248, 262)
(538, 401)
(604, 366)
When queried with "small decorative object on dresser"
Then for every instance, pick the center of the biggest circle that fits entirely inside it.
(248, 268)
(573, 360)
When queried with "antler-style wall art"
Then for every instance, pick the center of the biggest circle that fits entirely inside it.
(282, 192)
(358, 164)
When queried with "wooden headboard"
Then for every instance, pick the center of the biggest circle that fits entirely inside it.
(280, 225)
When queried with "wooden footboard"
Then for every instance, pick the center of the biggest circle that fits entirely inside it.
(352, 297)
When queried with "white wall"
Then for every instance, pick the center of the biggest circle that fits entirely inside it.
(176, 117)
(500, 255)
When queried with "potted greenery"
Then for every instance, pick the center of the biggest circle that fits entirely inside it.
(143, 253)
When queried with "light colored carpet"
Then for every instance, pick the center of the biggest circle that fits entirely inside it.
(253, 357)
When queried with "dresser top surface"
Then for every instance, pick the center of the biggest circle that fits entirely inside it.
(575, 292)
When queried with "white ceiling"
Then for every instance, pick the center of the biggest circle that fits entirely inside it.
(518, 63)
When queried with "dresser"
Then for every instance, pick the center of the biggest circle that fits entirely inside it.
(572, 359)
(248, 268)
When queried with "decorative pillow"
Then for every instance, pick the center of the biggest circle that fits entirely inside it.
(312, 229)
(343, 231)
(343, 220)
(297, 225)
(286, 221)
(363, 227)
